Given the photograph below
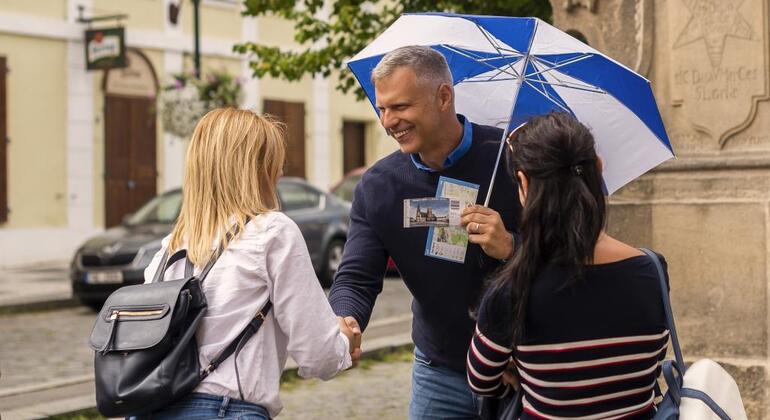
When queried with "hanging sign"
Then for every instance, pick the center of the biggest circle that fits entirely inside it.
(105, 48)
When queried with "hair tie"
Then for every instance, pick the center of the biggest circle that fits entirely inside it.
(577, 169)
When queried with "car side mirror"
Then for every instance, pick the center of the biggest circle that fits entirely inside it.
(126, 218)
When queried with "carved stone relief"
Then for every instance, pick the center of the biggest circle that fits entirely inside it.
(622, 29)
(719, 62)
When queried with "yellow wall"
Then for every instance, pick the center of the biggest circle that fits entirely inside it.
(216, 21)
(276, 32)
(36, 85)
(56, 9)
(142, 14)
(346, 108)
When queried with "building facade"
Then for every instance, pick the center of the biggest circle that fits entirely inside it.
(81, 149)
(708, 211)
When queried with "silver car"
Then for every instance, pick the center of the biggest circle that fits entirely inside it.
(119, 256)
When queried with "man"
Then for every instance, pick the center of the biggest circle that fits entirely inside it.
(415, 99)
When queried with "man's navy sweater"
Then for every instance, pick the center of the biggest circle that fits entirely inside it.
(443, 291)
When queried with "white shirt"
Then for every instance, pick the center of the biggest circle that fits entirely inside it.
(269, 259)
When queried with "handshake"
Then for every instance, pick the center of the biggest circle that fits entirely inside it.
(349, 327)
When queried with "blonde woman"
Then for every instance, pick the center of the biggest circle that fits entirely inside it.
(233, 164)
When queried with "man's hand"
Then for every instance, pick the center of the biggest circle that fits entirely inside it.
(349, 327)
(486, 228)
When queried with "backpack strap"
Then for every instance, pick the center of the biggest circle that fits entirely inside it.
(167, 262)
(667, 307)
(237, 344)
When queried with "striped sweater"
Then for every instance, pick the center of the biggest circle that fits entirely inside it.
(591, 351)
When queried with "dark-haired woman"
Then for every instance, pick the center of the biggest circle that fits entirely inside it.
(578, 312)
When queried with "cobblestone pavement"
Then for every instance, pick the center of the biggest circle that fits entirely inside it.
(46, 282)
(379, 392)
(52, 346)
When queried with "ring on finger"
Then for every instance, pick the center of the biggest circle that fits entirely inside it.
(476, 229)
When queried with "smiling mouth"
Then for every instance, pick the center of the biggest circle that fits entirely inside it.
(399, 134)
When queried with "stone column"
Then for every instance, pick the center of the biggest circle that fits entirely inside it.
(708, 211)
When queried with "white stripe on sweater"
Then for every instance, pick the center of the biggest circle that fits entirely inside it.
(615, 414)
(484, 360)
(582, 401)
(587, 382)
(576, 345)
(491, 344)
(481, 377)
(590, 363)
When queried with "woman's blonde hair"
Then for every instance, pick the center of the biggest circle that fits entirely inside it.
(233, 163)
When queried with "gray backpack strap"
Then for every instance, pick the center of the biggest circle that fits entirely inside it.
(667, 308)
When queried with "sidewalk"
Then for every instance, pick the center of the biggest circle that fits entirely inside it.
(75, 394)
(44, 285)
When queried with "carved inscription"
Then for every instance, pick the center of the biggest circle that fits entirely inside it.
(719, 62)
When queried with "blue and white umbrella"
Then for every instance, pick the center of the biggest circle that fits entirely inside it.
(508, 69)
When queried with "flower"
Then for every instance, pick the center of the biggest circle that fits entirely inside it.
(186, 99)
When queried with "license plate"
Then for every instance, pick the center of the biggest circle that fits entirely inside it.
(104, 277)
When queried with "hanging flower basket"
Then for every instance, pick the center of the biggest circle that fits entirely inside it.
(184, 101)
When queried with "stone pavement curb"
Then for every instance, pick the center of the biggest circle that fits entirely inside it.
(65, 404)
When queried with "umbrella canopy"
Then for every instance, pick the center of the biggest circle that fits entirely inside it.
(508, 69)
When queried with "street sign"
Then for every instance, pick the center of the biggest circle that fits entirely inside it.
(105, 48)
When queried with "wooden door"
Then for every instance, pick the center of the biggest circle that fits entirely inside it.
(3, 145)
(353, 142)
(293, 115)
(129, 168)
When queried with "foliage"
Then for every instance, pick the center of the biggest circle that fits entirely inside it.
(350, 26)
(186, 99)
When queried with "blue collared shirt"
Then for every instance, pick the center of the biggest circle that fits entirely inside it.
(456, 154)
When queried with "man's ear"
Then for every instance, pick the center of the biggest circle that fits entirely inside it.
(445, 96)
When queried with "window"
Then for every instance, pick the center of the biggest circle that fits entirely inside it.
(296, 196)
(293, 115)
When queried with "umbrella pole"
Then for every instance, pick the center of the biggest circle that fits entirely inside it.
(505, 134)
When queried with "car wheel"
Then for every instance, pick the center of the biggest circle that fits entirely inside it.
(332, 259)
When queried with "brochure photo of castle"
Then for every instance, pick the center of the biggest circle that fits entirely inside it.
(428, 212)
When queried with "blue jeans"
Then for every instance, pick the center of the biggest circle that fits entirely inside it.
(439, 393)
(200, 406)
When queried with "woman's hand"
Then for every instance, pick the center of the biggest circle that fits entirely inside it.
(509, 378)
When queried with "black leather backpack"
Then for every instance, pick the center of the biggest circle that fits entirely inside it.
(146, 355)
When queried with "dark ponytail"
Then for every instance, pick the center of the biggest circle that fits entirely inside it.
(565, 207)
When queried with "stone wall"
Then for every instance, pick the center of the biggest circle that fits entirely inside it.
(708, 211)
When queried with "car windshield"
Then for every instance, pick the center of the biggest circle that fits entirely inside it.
(345, 189)
(161, 209)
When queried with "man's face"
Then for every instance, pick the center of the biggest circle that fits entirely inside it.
(409, 111)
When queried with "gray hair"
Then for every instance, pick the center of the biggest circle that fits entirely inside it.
(428, 64)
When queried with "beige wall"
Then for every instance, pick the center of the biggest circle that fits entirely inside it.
(142, 14)
(708, 211)
(37, 190)
(56, 9)
(218, 21)
(346, 108)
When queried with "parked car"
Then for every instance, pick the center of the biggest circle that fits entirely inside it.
(119, 256)
(344, 191)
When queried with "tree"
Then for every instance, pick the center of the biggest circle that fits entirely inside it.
(350, 25)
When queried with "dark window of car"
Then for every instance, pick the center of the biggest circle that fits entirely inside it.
(296, 197)
(161, 209)
(346, 188)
